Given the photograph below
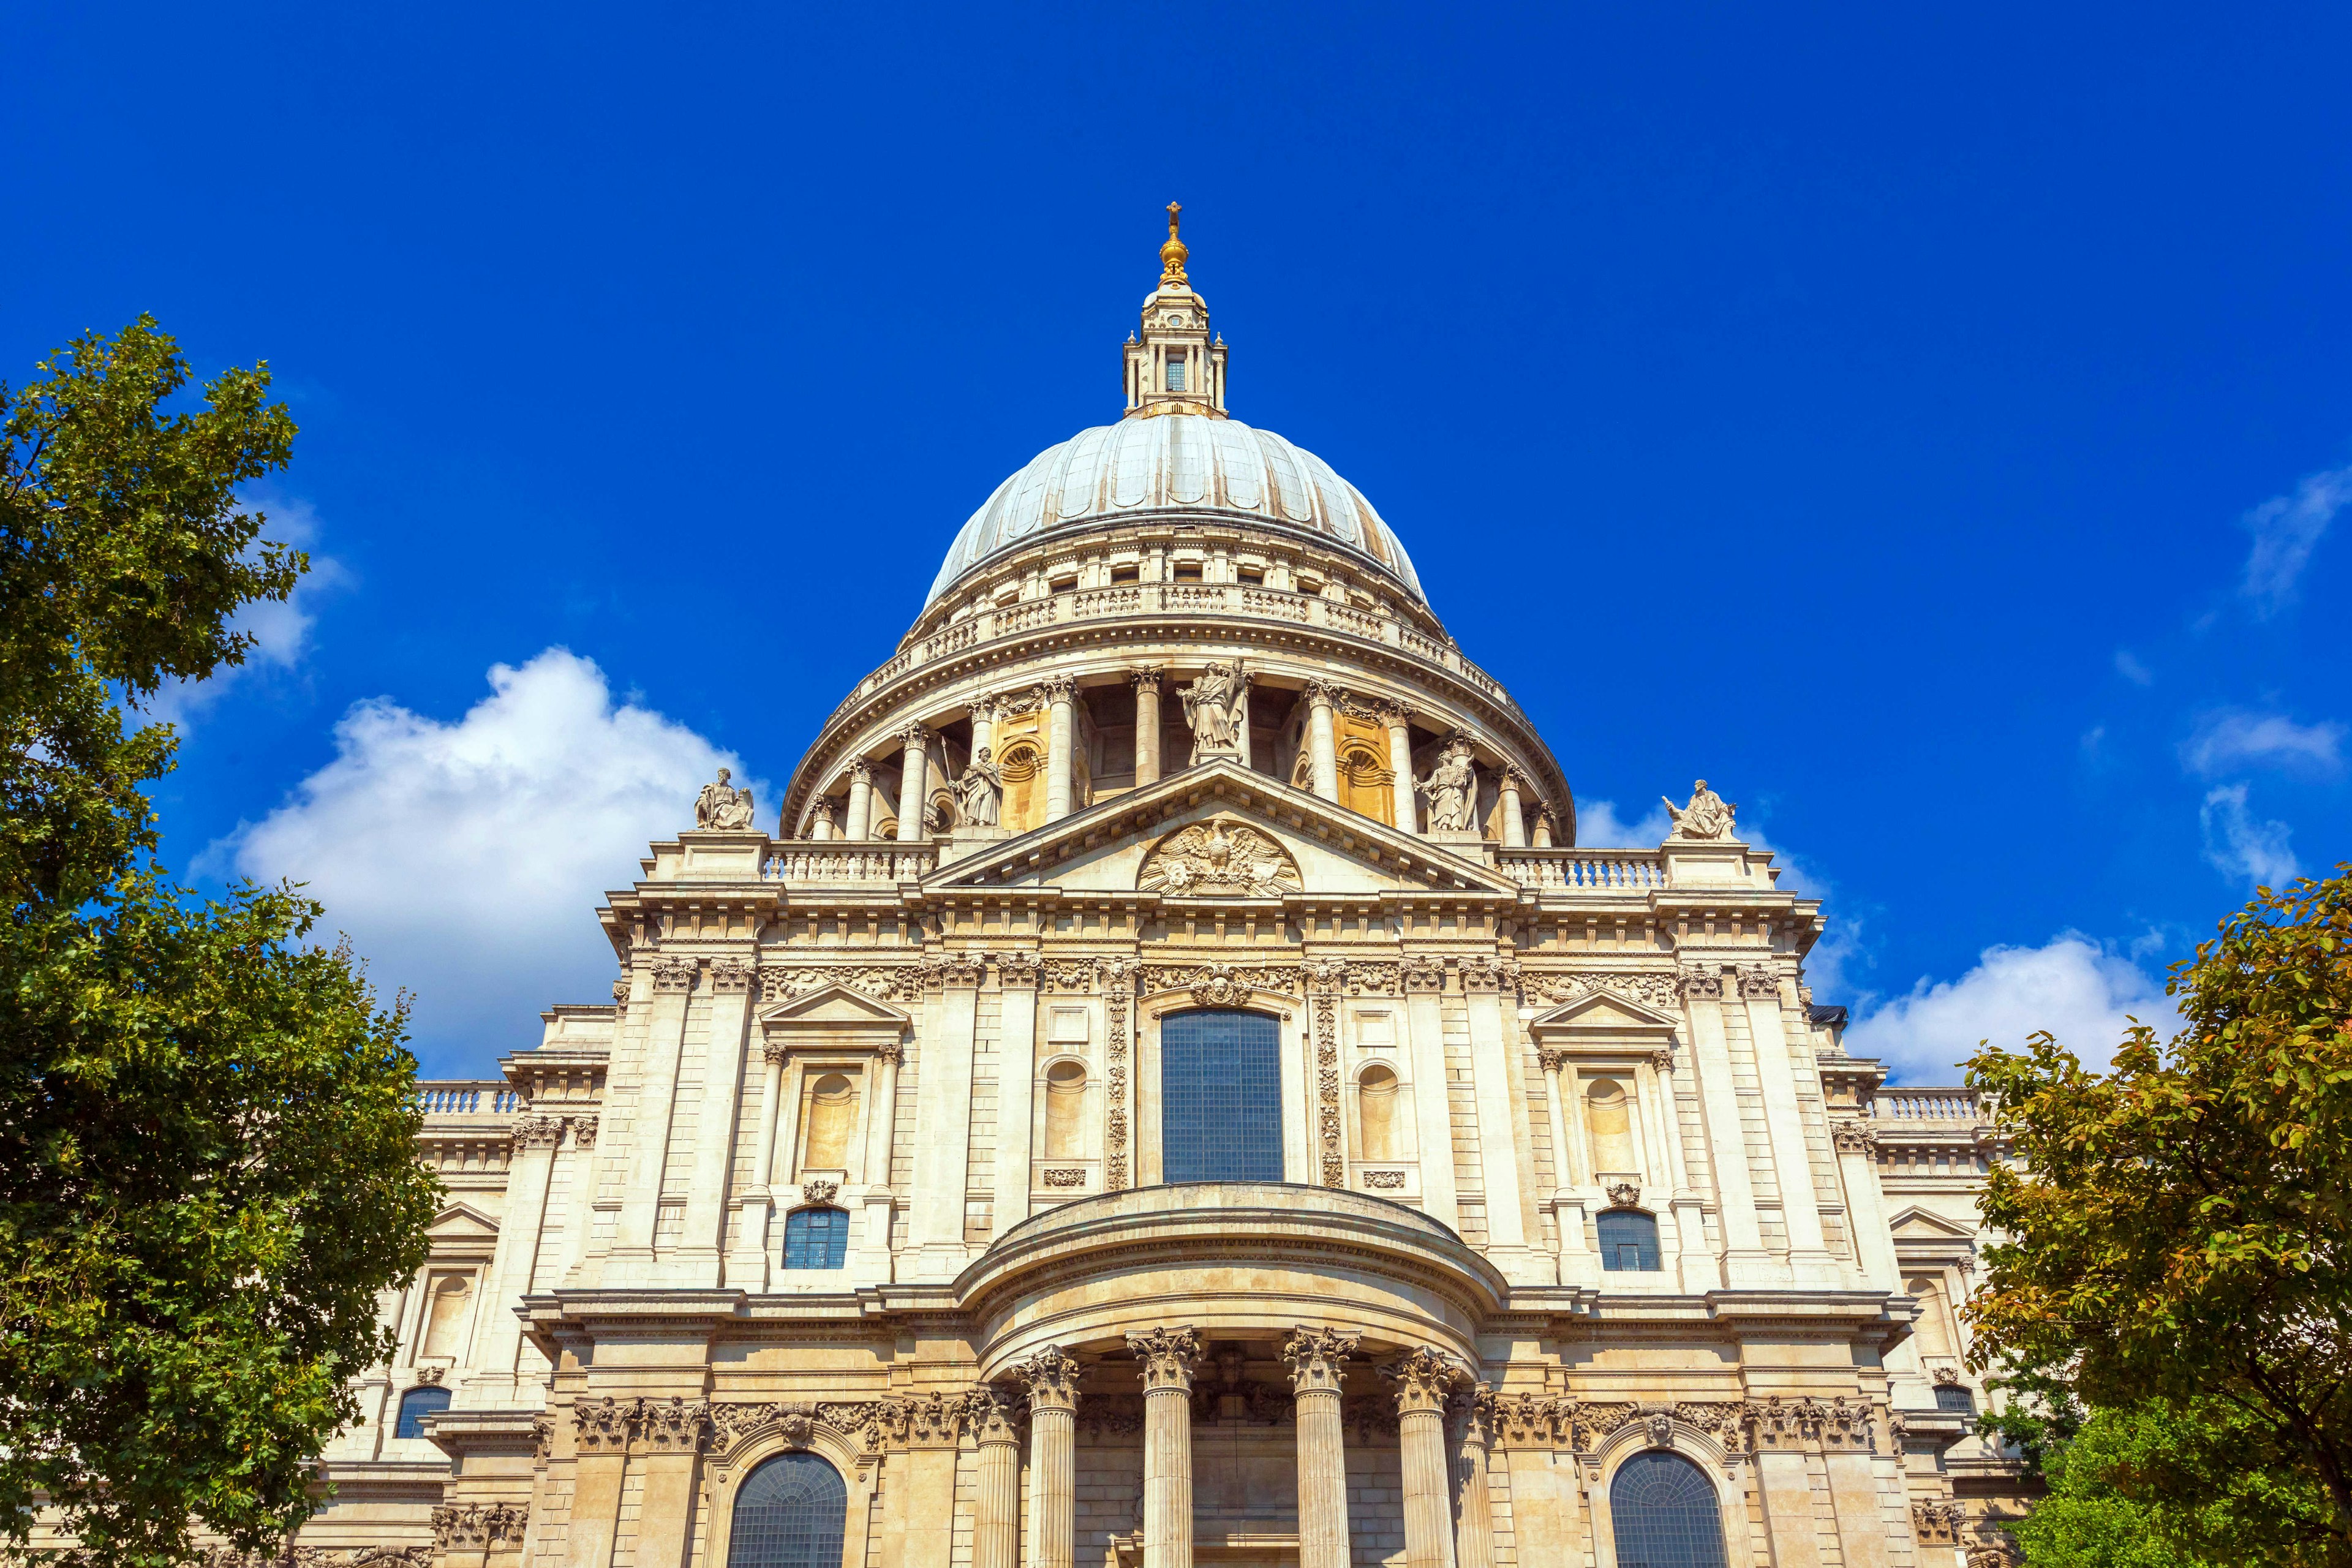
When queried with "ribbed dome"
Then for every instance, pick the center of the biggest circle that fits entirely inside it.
(1175, 462)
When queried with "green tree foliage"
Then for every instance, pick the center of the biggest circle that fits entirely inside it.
(2179, 1241)
(207, 1167)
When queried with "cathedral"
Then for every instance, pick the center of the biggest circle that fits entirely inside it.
(1165, 1087)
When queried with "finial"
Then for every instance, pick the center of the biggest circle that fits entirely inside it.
(1172, 254)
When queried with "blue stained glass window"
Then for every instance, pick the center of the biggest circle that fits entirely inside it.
(415, 1405)
(1629, 1240)
(1665, 1513)
(789, 1513)
(1956, 1399)
(817, 1238)
(1220, 1097)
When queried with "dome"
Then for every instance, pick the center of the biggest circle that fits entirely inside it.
(1191, 463)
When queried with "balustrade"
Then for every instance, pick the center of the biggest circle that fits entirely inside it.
(460, 1098)
(1585, 870)
(835, 864)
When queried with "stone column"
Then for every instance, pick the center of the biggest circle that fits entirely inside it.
(1017, 1076)
(1322, 743)
(601, 1430)
(1168, 1355)
(860, 825)
(1052, 1378)
(630, 1262)
(668, 1450)
(1784, 1480)
(914, 782)
(873, 1261)
(1473, 1530)
(1317, 1358)
(1060, 739)
(1423, 1379)
(1399, 730)
(983, 725)
(704, 1237)
(1865, 1213)
(996, 1503)
(1514, 824)
(1578, 1266)
(500, 1340)
(1146, 727)
(1809, 1253)
(747, 1260)
(1745, 1261)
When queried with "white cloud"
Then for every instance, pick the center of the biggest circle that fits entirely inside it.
(281, 629)
(2286, 529)
(2132, 669)
(466, 859)
(2234, 738)
(1598, 826)
(2241, 847)
(2071, 986)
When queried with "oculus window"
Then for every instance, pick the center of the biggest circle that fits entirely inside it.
(1665, 1513)
(1629, 1240)
(789, 1513)
(1220, 1097)
(817, 1238)
(415, 1405)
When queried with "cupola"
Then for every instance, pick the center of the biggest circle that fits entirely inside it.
(1175, 365)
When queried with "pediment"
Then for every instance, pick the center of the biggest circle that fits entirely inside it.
(833, 1006)
(1917, 1224)
(1220, 832)
(462, 1222)
(1602, 1013)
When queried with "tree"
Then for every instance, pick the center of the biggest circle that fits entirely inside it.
(208, 1166)
(2179, 1237)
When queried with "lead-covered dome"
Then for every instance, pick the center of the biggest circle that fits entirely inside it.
(1202, 464)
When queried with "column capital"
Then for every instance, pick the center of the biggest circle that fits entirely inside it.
(1317, 1357)
(1515, 779)
(1757, 982)
(1479, 1409)
(538, 1132)
(1051, 1377)
(1169, 1356)
(1144, 679)
(1423, 1379)
(1018, 969)
(775, 1052)
(1058, 687)
(1392, 713)
(1855, 1137)
(1551, 1058)
(964, 969)
(861, 772)
(1663, 1060)
(1323, 694)
(915, 734)
(993, 1413)
(1701, 983)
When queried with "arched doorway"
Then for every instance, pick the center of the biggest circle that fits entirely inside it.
(1665, 1513)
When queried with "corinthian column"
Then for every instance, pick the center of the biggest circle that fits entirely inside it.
(1146, 727)
(1474, 1533)
(1423, 1379)
(1168, 1356)
(1322, 743)
(1398, 722)
(1061, 737)
(1515, 823)
(996, 1507)
(860, 825)
(914, 782)
(1052, 1378)
(1317, 1357)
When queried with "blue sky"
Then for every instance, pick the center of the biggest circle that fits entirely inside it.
(1930, 427)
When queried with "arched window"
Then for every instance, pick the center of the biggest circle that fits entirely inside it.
(1665, 1513)
(817, 1238)
(415, 1405)
(1066, 1108)
(1376, 1114)
(1628, 1239)
(1220, 1097)
(1955, 1399)
(789, 1513)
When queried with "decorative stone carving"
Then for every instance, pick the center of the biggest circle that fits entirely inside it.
(672, 974)
(1318, 1357)
(1216, 707)
(1702, 983)
(994, 1413)
(1551, 1058)
(1758, 984)
(621, 993)
(1938, 1522)
(1218, 858)
(1169, 1356)
(730, 976)
(1328, 1130)
(1421, 1379)
(1384, 1181)
(1144, 679)
(542, 1436)
(538, 1132)
(1018, 969)
(1659, 992)
(430, 1375)
(966, 970)
(795, 1430)
(884, 983)
(818, 1192)
(478, 1525)
(673, 1425)
(776, 1053)
(1855, 1137)
(1483, 972)
(1111, 1416)
(1707, 816)
(1624, 1194)
(1660, 1430)
(1480, 1411)
(1451, 788)
(979, 790)
(1422, 972)
(1662, 1060)
(722, 807)
(602, 1426)
(1051, 1376)
(1061, 1176)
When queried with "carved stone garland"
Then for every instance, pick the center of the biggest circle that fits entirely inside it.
(1325, 976)
(1118, 976)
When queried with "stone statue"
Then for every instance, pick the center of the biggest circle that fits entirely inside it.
(722, 807)
(1451, 789)
(979, 792)
(1216, 707)
(1708, 814)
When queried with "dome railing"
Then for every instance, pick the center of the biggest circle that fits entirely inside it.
(1241, 601)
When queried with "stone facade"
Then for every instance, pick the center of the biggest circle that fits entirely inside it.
(1176, 731)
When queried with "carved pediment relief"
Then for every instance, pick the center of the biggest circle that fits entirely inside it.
(1222, 858)
(833, 1005)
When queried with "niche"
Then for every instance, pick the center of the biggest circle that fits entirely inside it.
(1066, 1105)
(832, 1119)
(1607, 1115)
(1376, 1115)
(445, 1315)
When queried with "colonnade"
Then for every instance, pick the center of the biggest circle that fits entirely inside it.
(1423, 1382)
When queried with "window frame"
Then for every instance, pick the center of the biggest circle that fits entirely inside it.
(1256, 1080)
(801, 1222)
(1648, 1255)
(408, 1423)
